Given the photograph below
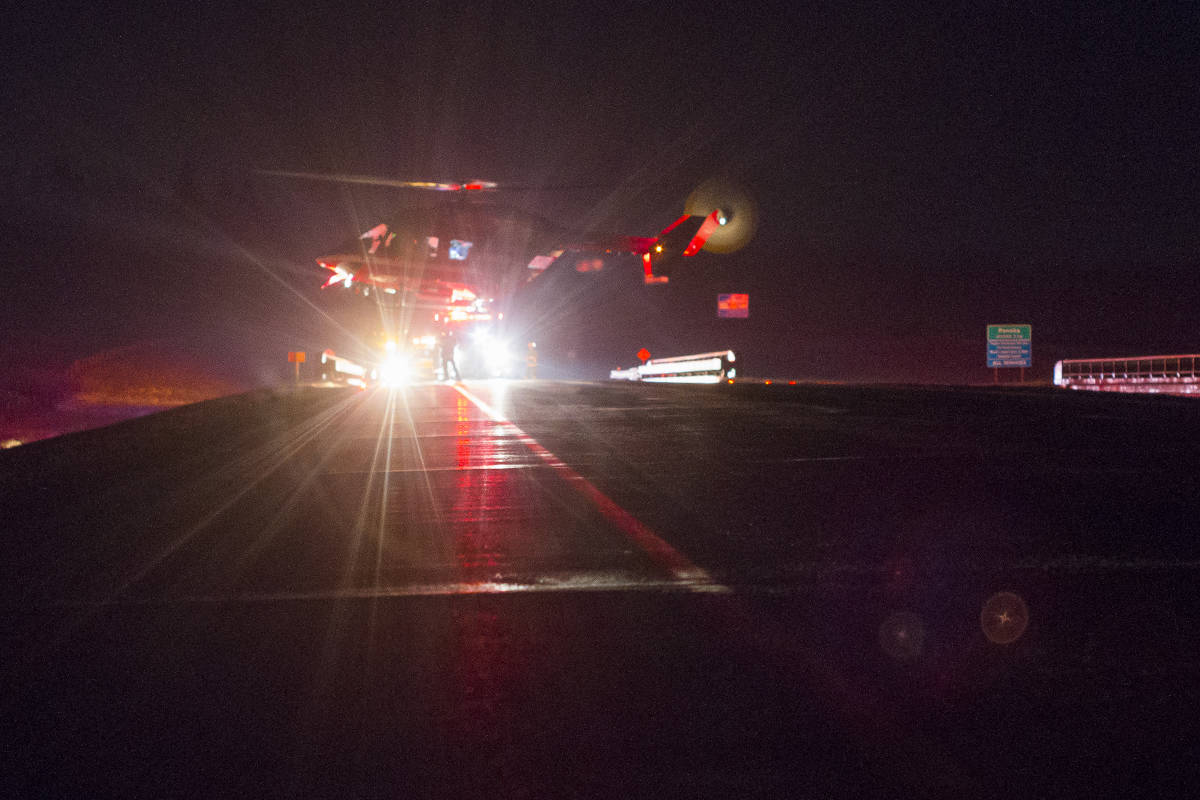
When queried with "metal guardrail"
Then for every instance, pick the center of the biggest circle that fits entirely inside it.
(337, 369)
(1179, 374)
(701, 368)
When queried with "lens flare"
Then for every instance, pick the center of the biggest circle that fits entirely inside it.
(902, 636)
(394, 371)
(1004, 617)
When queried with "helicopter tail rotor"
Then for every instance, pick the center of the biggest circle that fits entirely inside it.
(737, 214)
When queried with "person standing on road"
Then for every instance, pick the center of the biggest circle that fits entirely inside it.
(531, 361)
(446, 344)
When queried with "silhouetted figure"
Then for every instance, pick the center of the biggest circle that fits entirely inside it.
(446, 344)
(531, 361)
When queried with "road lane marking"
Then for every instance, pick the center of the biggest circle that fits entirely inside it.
(681, 568)
(423, 470)
(564, 582)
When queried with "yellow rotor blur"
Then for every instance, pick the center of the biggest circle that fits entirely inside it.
(737, 206)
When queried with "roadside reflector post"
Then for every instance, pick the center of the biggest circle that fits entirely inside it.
(297, 358)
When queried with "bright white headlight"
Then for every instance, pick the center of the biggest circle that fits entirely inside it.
(394, 371)
(496, 356)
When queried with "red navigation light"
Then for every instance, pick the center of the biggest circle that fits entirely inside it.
(473, 187)
(643, 354)
(650, 277)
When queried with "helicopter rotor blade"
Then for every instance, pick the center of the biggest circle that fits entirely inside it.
(475, 185)
(373, 180)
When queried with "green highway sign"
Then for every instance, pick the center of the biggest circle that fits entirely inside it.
(1009, 345)
(1009, 332)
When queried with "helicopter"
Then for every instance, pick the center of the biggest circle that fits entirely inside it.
(439, 239)
(441, 263)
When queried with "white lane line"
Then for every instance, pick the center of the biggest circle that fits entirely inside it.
(569, 582)
(423, 470)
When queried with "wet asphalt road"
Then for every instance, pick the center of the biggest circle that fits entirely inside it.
(546, 589)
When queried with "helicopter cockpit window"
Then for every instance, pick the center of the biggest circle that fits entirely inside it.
(459, 250)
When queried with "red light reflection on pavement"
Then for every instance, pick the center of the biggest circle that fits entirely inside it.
(471, 515)
(673, 562)
(492, 668)
(490, 660)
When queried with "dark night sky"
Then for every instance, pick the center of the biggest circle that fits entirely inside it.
(919, 174)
